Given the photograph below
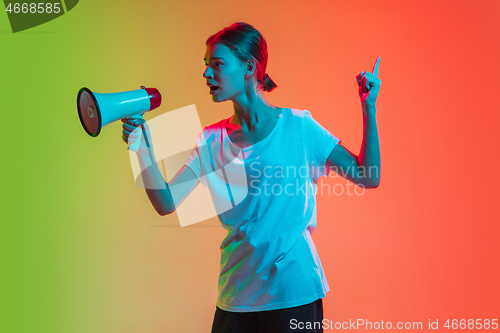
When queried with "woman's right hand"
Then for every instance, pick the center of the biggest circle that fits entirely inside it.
(129, 125)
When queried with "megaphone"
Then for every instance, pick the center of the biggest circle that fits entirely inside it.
(98, 110)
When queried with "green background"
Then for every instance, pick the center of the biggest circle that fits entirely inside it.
(74, 224)
(81, 247)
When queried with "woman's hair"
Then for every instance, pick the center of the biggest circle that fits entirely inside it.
(247, 43)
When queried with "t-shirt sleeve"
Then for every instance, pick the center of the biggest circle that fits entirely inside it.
(194, 160)
(318, 142)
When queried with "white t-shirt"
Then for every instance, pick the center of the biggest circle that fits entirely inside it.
(268, 258)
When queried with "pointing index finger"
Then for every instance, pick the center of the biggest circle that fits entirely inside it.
(375, 67)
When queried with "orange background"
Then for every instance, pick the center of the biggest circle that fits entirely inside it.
(423, 246)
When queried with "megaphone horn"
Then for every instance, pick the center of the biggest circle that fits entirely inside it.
(98, 110)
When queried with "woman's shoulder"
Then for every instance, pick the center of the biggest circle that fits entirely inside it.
(213, 132)
(217, 125)
(298, 112)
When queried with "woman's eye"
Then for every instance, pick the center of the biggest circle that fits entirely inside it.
(216, 63)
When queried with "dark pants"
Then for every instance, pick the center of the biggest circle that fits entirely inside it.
(304, 318)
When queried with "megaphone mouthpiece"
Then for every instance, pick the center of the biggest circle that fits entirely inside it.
(154, 98)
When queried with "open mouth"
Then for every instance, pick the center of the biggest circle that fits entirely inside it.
(213, 89)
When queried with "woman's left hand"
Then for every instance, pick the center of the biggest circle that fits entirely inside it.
(369, 85)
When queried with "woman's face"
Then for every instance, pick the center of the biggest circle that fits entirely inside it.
(224, 70)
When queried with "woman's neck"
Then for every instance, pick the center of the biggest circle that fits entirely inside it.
(252, 113)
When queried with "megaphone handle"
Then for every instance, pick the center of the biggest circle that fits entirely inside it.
(135, 146)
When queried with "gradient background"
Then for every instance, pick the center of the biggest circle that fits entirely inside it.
(81, 247)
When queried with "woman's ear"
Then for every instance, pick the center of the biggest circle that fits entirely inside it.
(250, 67)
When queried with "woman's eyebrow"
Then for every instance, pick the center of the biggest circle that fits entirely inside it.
(205, 59)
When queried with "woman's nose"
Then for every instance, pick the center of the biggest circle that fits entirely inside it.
(206, 73)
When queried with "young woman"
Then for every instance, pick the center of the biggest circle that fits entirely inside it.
(271, 278)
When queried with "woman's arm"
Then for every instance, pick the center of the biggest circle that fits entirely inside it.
(165, 196)
(156, 187)
(369, 155)
(362, 170)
